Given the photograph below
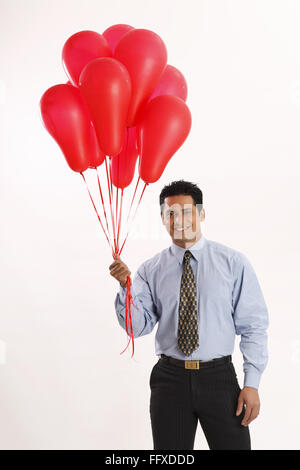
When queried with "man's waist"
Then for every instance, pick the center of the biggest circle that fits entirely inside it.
(194, 363)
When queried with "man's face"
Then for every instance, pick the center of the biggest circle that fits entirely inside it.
(182, 219)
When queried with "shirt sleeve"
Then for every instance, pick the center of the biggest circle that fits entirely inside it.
(143, 312)
(251, 320)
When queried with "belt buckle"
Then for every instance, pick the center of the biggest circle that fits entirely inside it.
(191, 365)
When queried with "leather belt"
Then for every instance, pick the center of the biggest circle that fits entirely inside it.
(195, 365)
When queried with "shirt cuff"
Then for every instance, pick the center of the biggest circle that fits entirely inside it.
(252, 378)
(123, 292)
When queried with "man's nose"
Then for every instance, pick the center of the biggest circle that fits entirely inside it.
(178, 219)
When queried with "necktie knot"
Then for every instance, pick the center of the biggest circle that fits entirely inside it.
(187, 255)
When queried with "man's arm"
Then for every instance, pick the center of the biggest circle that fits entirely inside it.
(143, 312)
(251, 320)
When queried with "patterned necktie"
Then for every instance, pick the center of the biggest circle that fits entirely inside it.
(188, 339)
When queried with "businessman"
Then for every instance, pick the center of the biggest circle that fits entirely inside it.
(201, 294)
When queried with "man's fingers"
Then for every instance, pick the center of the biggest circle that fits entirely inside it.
(117, 269)
(247, 415)
(254, 413)
(118, 262)
(116, 266)
(115, 263)
(250, 398)
(239, 406)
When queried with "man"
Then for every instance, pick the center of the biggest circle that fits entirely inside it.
(201, 293)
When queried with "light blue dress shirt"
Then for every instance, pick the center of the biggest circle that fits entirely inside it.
(229, 302)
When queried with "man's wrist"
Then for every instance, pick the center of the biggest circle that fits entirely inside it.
(124, 284)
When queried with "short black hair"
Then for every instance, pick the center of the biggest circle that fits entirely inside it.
(179, 187)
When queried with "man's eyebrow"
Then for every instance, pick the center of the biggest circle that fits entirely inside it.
(185, 209)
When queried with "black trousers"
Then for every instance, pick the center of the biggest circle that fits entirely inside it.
(180, 397)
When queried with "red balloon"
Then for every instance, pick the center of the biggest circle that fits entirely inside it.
(80, 49)
(144, 54)
(67, 119)
(165, 125)
(105, 85)
(95, 157)
(172, 82)
(123, 165)
(114, 33)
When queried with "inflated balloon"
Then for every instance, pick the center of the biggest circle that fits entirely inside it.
(123, 165)
(144, 54)
(80, 49)
(114, 33)
(96, 157)
(67, 119)
(105, 85)
(172, 82)
(165, 124)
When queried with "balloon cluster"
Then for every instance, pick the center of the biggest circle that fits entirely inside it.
(122, 101)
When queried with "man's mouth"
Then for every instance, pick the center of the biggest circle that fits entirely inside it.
(181, 229)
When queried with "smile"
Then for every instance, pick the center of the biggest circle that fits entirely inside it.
(182, 229)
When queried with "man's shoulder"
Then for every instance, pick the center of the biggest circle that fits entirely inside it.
(225, 250)
(155, 261)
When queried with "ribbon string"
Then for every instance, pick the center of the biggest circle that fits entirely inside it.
(97, 212)
(111, 206)
(146, 184)
(116, 219)
(102, 200)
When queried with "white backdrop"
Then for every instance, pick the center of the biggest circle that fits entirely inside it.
(63, 383)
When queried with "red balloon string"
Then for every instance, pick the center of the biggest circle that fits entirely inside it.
(112, 200)
(128, 316)
(117, 190)
(101, 195)
(112, 191)
(127, 313)
(110, 179)
(146, 184)
(133, 197)
(119, 219)
(112, 196)
(110, 203)
(116, 223)
(96, 211)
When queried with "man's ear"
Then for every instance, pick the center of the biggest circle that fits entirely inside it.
(202, 214)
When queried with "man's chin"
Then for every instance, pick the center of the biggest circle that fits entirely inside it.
(184, 238)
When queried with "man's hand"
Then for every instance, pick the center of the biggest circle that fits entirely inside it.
(119, 271)
(249, 396)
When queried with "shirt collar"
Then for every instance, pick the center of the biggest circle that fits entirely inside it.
(195, 249)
